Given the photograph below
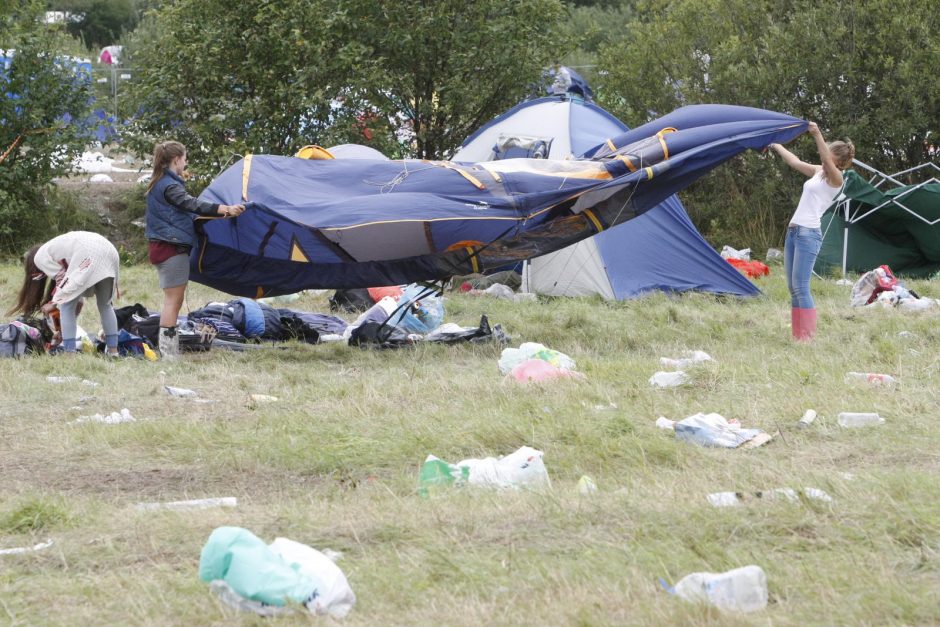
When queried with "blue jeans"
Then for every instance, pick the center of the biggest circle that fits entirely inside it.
(799, 256)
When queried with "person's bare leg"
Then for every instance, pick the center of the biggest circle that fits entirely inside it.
(172, 303)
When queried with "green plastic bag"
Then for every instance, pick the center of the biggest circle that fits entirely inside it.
(243, 561)
(436, 473)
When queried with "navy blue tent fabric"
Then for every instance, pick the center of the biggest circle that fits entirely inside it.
(357, 223)
(674, 256)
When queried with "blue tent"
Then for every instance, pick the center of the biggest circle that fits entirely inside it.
(660, 250)
(357, 223)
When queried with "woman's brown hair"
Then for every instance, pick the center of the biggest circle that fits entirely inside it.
(843, 152)
(36, 286)
(163, 155)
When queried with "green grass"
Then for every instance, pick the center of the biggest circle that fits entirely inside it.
(334, 464)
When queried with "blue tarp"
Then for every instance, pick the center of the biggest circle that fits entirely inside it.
(360, 223)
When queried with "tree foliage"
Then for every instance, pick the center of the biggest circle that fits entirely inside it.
(410, 78)
(42, 92)
(446, 67)
(864, 69)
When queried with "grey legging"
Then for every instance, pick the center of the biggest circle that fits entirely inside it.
(67, 315)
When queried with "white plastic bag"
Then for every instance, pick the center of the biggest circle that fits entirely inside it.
(739, 590)
(728, 252)
(669, 379)
(522, 468)
(333, 594)
(713, 430)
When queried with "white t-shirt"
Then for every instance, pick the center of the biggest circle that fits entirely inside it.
(816, 198)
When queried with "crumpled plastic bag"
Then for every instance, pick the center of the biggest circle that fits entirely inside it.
(713, 430)
(420, 311)
(512, 357)
(523, 468)
(539, 371)
(284, 571)
(727, 252)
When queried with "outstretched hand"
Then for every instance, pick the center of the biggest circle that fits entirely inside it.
(813, 129)
(231, 211)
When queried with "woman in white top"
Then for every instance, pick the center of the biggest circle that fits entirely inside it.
(80, 264)
(804, 236)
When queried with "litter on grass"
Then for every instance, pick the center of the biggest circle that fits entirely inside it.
(732, 499)
(586, 486)
(70, 379)
(714, 430)
(257, 576)
(27, 549)
(512, 357)
(538, 371)
(740, 590)
(872, 378)
(110, 419)
(669, 379)
(523, 468)
(691, 358)
(857, 420)
(179, 392)
(225, 501)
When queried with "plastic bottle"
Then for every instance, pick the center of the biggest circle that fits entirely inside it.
(739, 590)
(873, 378)
(807, 419)
(854, 420)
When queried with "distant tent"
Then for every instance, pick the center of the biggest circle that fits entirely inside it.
(869, 227)
(660, 250)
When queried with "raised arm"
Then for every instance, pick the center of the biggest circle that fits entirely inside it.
(807, 169)
(832, 173)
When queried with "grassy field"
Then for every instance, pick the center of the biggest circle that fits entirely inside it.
(334, 464)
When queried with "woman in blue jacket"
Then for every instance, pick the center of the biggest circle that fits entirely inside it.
(171, 234)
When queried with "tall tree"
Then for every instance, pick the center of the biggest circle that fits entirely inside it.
(229, 78)
(445, 67)
(411, 78)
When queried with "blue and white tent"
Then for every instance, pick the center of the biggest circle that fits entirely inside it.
(361, 222)
(660, 250)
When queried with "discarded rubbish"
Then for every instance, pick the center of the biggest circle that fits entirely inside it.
(883, 380)
(512, 357)
(732, 499)
(537, 371)
(179, 392)
(715, 430)
(844, 282)
(27, 549)
(807, 419)
(854, 420)
(669, 379)
(731, 253)
(111, 419)
(522, 468)
(739, 590)
(70, 379)
(692, 358)
(586, 486)
(273, 575)
(774, 255)
(225, 501)
(664, 423)
(261, 398)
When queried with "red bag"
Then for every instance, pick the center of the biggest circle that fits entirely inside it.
(753, 269)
